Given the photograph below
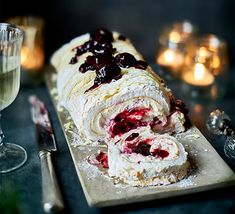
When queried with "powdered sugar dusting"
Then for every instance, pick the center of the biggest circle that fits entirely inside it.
(76, 139)
(186, 182)
(91, 171)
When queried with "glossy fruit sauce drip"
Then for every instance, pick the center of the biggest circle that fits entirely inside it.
(178, 105)
(127, 120)
(106, 66)
(143, 147)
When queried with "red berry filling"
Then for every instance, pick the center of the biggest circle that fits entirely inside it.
(132, 136)
(143, 148)
(160, 153)
(128, 120)
(102, 158)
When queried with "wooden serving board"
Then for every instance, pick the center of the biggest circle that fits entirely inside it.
(209, 169)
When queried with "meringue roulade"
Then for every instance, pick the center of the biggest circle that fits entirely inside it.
(110, 90)
(142, 158)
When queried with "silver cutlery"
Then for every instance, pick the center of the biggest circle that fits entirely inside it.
(51, 195)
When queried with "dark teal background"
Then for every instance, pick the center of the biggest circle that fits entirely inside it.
(141, 20)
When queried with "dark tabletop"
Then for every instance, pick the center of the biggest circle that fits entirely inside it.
(23, 186)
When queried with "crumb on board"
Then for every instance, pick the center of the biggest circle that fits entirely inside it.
(68, 126)
(54, 77)
(53, 91)
(60, 108)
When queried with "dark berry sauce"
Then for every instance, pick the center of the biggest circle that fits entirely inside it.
(132, 136)
(102, 35)
(178, 105)
(142, 148)
(85, 67)
(96, 62)
(100, 42)
(102, 48)
(102, 61)
(74, 60)
(126, 60)
(127, 120)
(106, 74)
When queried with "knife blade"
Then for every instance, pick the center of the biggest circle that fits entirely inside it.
(51, 195)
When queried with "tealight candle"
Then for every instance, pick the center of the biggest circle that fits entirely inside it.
(32, 59)
(204, 69)
(32, 52)
(199, 76)
(172, 46)
(170, 58)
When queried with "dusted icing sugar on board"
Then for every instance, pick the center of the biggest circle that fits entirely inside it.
(209, 169)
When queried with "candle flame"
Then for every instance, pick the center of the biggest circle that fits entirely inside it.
(32, 59)
(174, 37)
(216, 62)
(199, 72)
(169, 56)
(203, 52)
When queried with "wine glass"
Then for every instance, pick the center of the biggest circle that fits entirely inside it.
(12, 156)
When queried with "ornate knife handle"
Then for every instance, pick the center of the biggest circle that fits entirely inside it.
(51, 196)
(219, 123)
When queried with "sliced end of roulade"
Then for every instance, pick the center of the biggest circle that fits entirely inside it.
(143, 158)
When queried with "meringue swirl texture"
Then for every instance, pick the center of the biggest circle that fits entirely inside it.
(114, 96)
(137, 88)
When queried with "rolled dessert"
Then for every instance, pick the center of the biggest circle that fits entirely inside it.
(110, 90)
(142, 158)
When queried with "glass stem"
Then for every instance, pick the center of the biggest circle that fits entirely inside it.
(1, 135)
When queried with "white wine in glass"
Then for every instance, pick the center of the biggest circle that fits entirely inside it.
(9, 79)
(12, 156)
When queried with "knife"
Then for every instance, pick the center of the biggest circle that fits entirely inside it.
(51, 195)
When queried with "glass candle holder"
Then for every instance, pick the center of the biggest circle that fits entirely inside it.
(172, 49)
(32, 51)
(204, 72)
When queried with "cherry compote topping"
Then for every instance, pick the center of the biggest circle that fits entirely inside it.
(100, 42)
(106, 74)
(86, 47)
(102, 34)
(96, 62)
(102, 48)
(178, 105)
(85, 67)
(126, 60)
(102, 61)
(74, 60)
